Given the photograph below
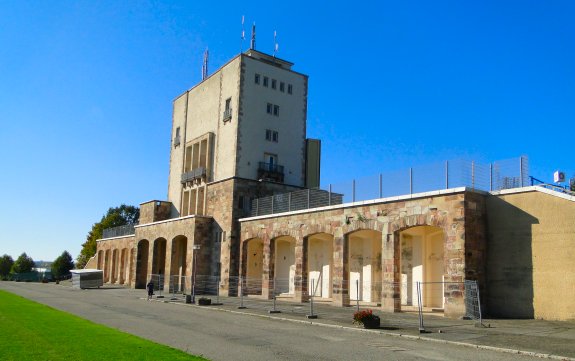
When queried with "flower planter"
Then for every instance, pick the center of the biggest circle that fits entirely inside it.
(372, 322)
(204, 301)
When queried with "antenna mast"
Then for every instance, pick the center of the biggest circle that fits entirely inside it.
(253, 43)
(276, 47)
(243, 36)
(205, 65)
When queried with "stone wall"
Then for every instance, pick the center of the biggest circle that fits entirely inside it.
(227, 201)
(389, 218)
(195, 230)
(115, 257)
(154, 211)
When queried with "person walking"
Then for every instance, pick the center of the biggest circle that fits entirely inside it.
(150, 287)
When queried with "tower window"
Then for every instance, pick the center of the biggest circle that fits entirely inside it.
(276, 110)
(177, 137)
(290, 88)
(269, 108)
(282, 86)
(228, 110)
(257, 79)
(266, 80)
(272, 135)
(274, 82)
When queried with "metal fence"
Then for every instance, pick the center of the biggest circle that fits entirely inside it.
(158, 281)
(422, 307)
(472, 302)
(294, 201)
(567, 189)
(119, 231)
(503, 174)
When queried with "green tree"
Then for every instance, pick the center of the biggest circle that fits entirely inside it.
(62, 265)
(23, 264)
(117, 216)
(6, 263)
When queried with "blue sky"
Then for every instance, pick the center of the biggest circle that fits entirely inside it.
(86, 89)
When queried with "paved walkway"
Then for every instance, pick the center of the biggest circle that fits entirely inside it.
(547, 339)
(175, 323)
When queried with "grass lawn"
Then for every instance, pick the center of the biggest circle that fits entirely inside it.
(31, 331)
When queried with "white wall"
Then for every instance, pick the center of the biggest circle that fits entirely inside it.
(290, 124)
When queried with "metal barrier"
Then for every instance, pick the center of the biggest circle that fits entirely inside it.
(177, 287)
(119, 231)
(473, 302)
(430, 298)
(158, 281)
(503, 174)
(419, 300)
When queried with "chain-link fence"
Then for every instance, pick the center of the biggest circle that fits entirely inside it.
(503, 174)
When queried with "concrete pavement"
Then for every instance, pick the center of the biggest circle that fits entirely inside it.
(226, 332)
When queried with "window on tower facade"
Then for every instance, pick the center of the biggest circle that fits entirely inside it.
(276, 110)
(290, 89)
(274, 82)
(257, 79)
(282, 86)
(269, 108)
(266, 80)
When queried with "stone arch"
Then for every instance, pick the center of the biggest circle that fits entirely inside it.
(363, 258)
(159, 256)
(319, 264)
(107, 268)
(124, 269)
(100, 260)
(142, 252)
(159, 262)
(422, 249)
(353, 224)
(432, 218)
(284, 265)
(115, 261)
(253, 261)
(178, 264)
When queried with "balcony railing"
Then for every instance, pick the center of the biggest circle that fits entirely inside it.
(271, 171)
(227, 114)
(193, 174)
(271, 167)
(119, 231)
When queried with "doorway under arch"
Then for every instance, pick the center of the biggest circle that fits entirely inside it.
(142, 263)
(254, 266)
(320, 264)
(284, 272)
(107, 268)
(115, 259)
(365, 265)
(422, 250)
(159, 256)
(178, 263)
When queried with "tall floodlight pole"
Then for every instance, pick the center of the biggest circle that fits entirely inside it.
(196, 248)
